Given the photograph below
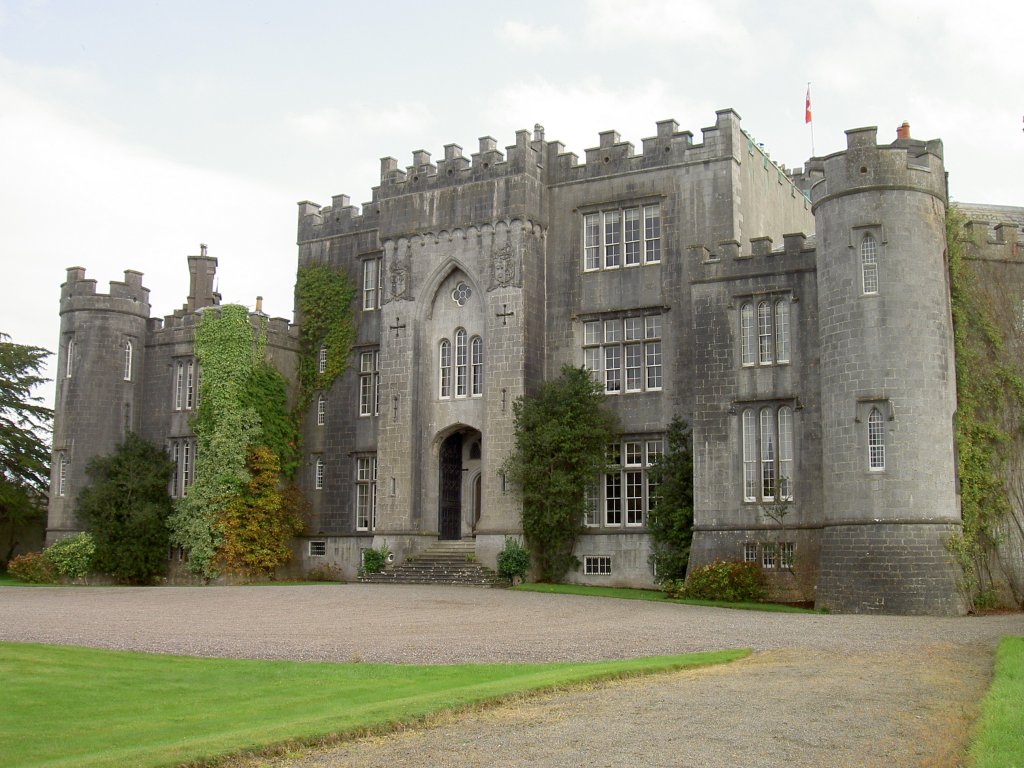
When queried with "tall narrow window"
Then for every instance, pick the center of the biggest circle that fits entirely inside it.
(62, 476)
(321, 361)
(749, 456)
(782, 331)
(592, 502)
(631, 236)
(767, 455)
(652, 234)
(786, 453)
(869, 263)
(127, 361)
(321, 410)
(764, 333)
(592, 241)
(369, 383)
(477, 363)
(190, 385)
(461, 363)
(445, 363)
(876, 441)
(371, 283)
(634, 481)
(318, 474)
(612, 239)
(748, 337)
(186, 466)
(176, 460)
(652, 350)
(69, 365)
(179, 386)
(366, 493)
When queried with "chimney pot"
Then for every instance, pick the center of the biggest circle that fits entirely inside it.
(903, 132)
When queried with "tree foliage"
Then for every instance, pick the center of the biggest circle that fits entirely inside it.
(988, 321)
(24, 427)
(670, 522)
(324, 298)
(254, 527)
(125, 507)
(561, 435)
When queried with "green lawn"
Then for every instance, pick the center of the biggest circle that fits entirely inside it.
(68, 706)
(999, 732)
(655, 595)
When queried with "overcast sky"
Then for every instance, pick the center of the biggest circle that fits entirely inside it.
(132, 131)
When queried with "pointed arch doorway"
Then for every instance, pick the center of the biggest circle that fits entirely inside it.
(458, 497)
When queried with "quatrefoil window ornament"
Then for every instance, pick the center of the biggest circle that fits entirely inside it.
(461, 294)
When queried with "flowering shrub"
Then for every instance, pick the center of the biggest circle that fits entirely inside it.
(722, 580)
(33, 567)
(72, 556)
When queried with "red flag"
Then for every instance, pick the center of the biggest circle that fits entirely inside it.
(807, 105)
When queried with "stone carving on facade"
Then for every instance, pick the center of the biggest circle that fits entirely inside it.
(398, 261)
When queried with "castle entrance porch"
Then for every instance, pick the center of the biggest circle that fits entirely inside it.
(458, 497)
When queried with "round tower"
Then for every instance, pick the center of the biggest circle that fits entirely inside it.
(99, 373)
(887, 379)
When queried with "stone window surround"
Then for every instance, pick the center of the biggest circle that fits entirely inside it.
(756, 472)
(858, 235)
(763, 334)
(625, 494)
(598, 350)
(598, 227)
(373, 272)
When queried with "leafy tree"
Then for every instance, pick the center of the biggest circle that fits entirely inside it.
(125, 507)
(670, 522)
(24, 453)
(561, 435)
(255, 525)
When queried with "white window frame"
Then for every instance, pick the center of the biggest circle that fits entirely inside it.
(786, 553)
(750, 552)
(366, 493)
(179, 385)
(444, 362)
(371, 283)
(186, 466)
(624, 353)
(597, 565)
(624, 495)
(190, 385)
(128, 360)
(476, 362)
(767, 453)
(317, 548)
(318, 474)
(321, 359)
(321, 410)
(62, 475)
(876, 441)
(69, 364)
(765, 332)
(869, 264)
(176, 459)
(461, 362)
(622, 237)
(369, 383)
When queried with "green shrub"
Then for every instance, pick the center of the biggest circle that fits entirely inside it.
(374, 560)
(731, 581)
(513, 560)
(33, 567)
(72, 556)
(673, 588)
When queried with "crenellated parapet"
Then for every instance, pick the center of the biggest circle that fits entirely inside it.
(1003, 241)
(865, 166)
(127, 296)
(727, 258)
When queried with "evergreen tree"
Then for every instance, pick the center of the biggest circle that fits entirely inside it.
(562, 435)
(125, 507)
(24, 453)
(670, 522)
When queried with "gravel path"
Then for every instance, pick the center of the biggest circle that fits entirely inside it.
(822, 690)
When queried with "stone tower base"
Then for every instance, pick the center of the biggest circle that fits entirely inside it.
(897, 568)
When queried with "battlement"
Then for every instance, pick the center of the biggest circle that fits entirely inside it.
(128, 295)
(726, 257)
(532, 154)
(865, 165)
(1002, 242)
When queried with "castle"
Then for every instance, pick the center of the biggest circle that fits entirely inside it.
(799, 321)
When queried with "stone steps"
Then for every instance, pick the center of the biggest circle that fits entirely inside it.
(446, 562)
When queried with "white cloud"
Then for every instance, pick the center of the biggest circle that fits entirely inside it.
(530, 36)
(72, 195)
(610, 23)
(402, 118)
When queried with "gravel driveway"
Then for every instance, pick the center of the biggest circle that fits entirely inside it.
(821, 690)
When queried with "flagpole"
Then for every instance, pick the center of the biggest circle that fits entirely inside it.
(810, 117)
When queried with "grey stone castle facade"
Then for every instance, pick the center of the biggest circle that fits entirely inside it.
(800, 322)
